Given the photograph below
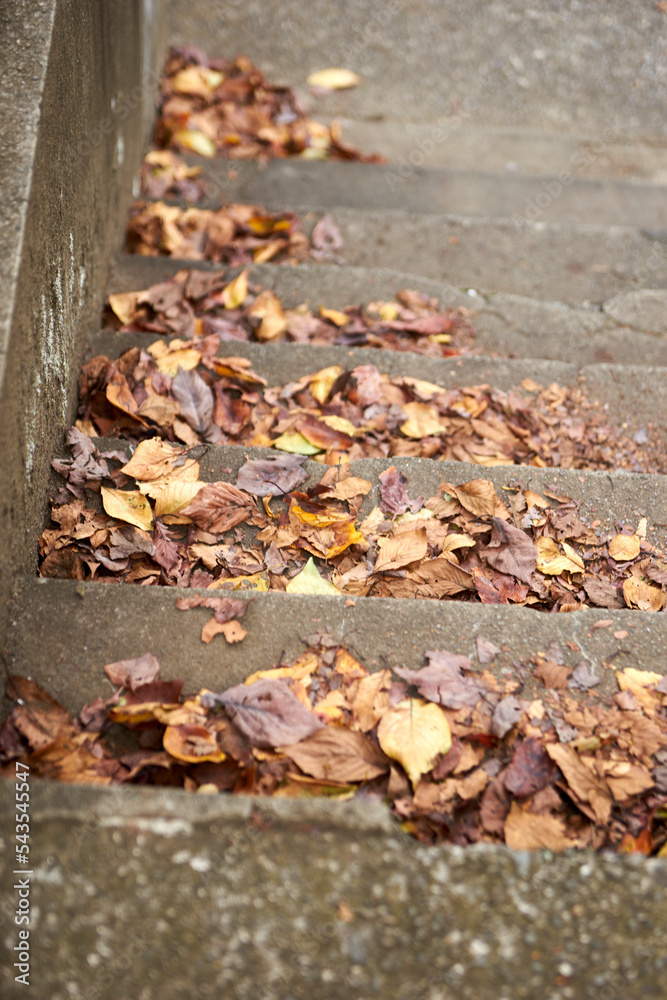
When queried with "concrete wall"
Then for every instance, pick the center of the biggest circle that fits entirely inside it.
(79, 79)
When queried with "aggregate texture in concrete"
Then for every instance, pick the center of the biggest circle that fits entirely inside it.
(158, 894)
(77, 80)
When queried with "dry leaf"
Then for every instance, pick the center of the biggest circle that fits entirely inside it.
(334, 79)
(339, 755)
(414, 732)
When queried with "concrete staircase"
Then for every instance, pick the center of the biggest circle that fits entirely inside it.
(153, 893)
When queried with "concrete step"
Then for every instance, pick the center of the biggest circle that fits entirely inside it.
(545, 260)
(399, 185)
(552, 69)
(67, 631)
(612, 153)
(633, 394)
(630, 326)
(272, 875)
(63, 633)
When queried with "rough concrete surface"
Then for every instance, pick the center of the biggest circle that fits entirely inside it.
(270, 900)
(55, 636)
(74, 130)
(505, 324)
(471, 192)
(556, 67)
(514, 151)
(547, 260)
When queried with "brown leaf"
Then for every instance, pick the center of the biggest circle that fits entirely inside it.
(326, 238)
(339, 755)
(63, 564)
(478, 496)
(371, 699)
(192, 744)
(272, 477)
(525, 831)
(442, 681)
(603, 593)
(38, 717)
(225, 608)
(394, 493)
(133, 673)
(511, 551)
(444, 577)
(266, 712)
(552, 675)
(494, 806)
(530, 770)
(505, 716)
(219, 507)
(486, 650)
(590, 792)
(195, 399)
(401, 550)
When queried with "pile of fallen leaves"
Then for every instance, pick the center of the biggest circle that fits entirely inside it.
(182, 390)
(221, 107)
(461, 755)
(234, 234)
(201, 303)
(159, 523)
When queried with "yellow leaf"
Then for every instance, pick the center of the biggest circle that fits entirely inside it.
(124, 305)
(295, 443)
(423, 420)
(623, 548)
(152, 458)
(321, 383)
(199, 81)
(309, 581)
(424, 389)
(129, 506)
(335, 316)
(631, 676)
(234, 294)
(642, 595)
(186, 473)
(550, 559)
(268, 308)
(388, 311)
(414, 732)
(175, 496)
(300, 670)
(197, 142)
(186, 359)
(348, 666)
(321, 519)
(340, 424)
(334, 79)
(330, 709)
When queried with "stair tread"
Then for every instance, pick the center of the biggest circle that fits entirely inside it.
(628, 326)
(552, 260)
(634, 394)
(439, 191)
(67, 631)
